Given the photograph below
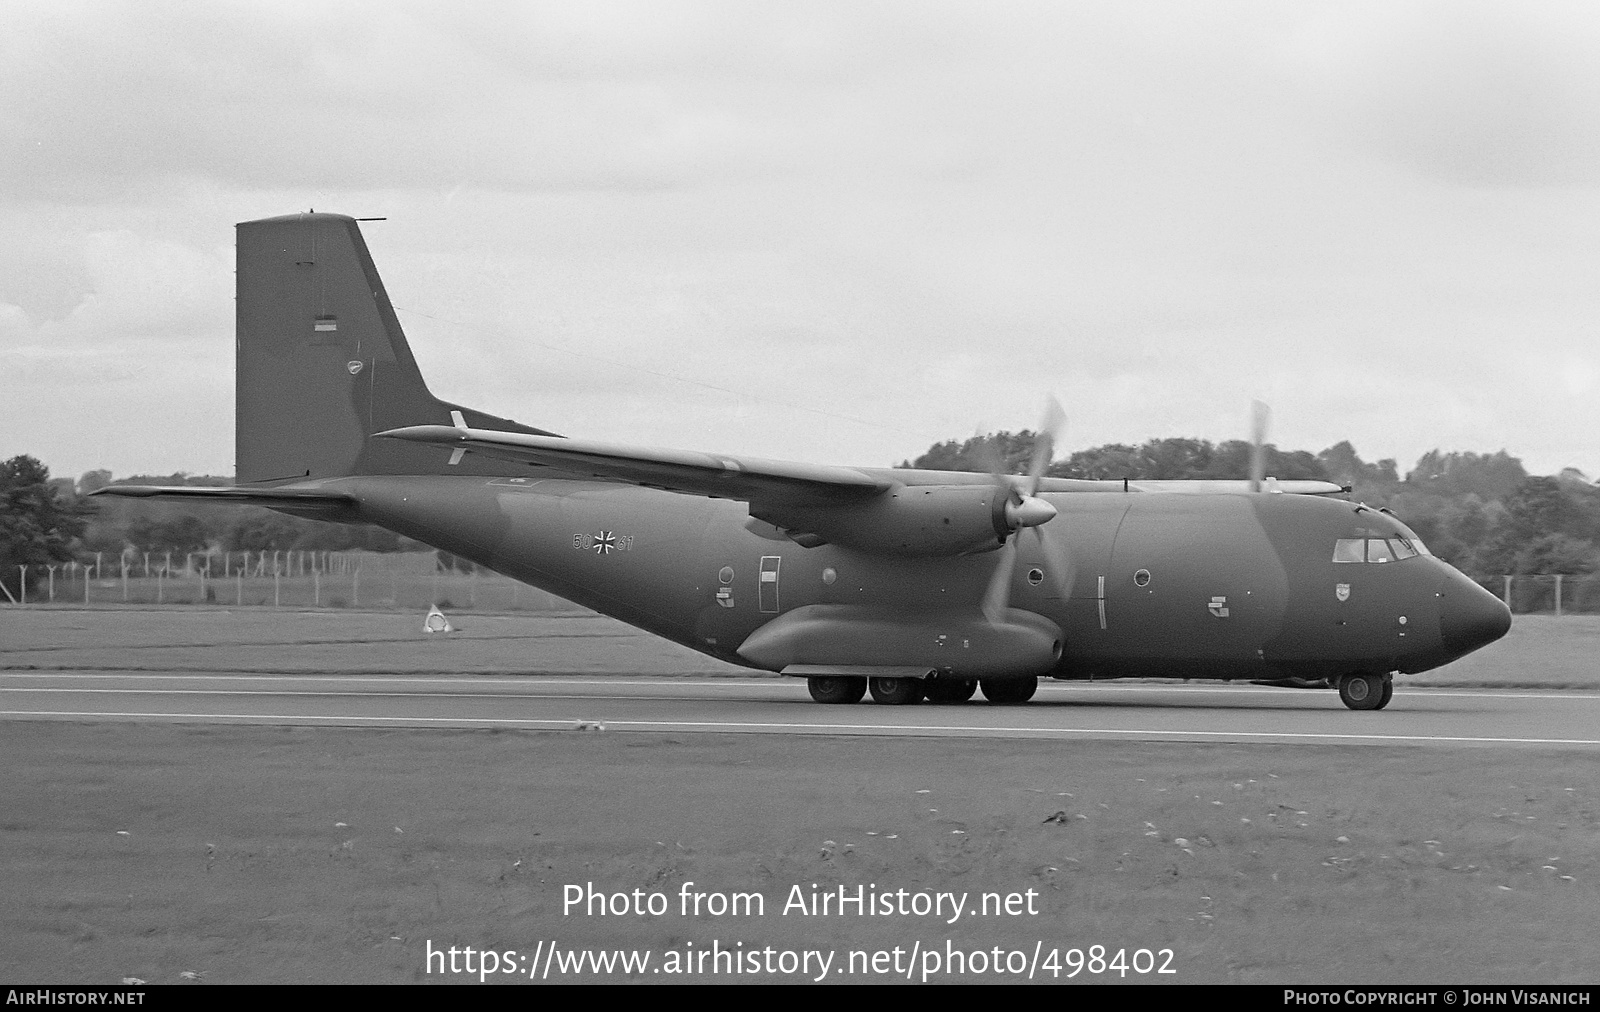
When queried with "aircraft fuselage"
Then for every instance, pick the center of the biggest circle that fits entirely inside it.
(1191, 585)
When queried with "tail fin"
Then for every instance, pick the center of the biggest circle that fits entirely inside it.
(323, 364)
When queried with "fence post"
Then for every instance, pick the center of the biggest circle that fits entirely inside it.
(1506, 597)
(97, 565)
(238, 588)
(355, 588)
(316, 588)
(52, 591)
(275, 586)
(1558, 595)
(158, 586)
(124, 579)
(22, 583)
(86, 578)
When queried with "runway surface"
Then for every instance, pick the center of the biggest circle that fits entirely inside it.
(1127, 712)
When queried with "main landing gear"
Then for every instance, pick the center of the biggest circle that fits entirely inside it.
(898, 691)
(1363, 690)
(950, 690)
(903, 691)
(837, 689)
(1009, 690)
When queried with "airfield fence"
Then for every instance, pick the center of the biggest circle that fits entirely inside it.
(371, 581)
(408, 580)
(1547, 593)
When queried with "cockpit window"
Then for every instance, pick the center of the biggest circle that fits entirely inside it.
(1375, 549)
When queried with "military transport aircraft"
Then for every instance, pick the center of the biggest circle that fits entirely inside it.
(917, 584)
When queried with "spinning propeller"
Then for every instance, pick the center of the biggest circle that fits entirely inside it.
(1259, 414)
(1025, 511)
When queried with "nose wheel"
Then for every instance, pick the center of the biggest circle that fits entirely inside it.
(1362, 690)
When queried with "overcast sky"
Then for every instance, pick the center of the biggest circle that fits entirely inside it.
(826, 232)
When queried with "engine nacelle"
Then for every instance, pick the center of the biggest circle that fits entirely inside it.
(908, 520)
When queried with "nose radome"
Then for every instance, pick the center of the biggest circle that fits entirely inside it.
(1469, 616)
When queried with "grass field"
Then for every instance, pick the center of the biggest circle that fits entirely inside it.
(1540, 651)
(317, 854)
(334, 642)
(243, 853)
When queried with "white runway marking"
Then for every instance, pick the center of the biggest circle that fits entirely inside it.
(328, 692)
(933, 730)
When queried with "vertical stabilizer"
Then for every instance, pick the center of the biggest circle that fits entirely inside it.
(322, 362)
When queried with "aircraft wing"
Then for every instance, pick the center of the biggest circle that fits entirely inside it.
(722, 477)
(315, 503)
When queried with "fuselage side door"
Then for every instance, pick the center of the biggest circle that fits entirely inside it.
(1087, 525)
(767, 583)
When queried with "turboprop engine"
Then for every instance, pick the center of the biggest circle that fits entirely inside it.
(918, 520)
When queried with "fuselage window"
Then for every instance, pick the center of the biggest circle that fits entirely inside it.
(1349, 550)
(1378, 550)
(1401, 548)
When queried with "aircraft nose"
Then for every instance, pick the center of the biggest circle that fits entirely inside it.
(1469, 616)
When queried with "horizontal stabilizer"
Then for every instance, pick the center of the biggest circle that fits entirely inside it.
(314, 503)
(723, 477)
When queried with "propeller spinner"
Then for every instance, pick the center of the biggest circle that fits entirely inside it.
(1024, 510)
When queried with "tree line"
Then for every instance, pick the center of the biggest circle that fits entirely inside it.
(48, 521)
(1481, 512)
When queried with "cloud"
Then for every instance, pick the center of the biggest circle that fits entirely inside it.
(922, 215)
(1478, 93)
(139, 289)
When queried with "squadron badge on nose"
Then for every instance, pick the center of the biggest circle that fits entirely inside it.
(1342, 591)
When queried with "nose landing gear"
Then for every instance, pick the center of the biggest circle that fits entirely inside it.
(1363, 690)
